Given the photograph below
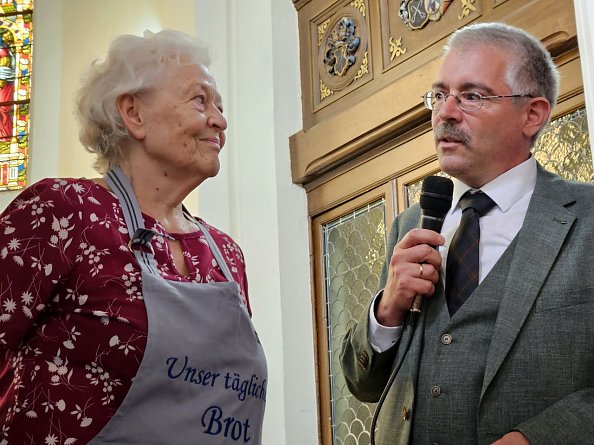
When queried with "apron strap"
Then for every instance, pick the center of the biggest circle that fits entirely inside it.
(217, 253)
(213, 247)
(139, 235)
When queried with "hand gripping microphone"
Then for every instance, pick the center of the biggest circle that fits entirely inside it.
(436, 200)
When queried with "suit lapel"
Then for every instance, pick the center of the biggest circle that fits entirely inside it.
(539, 242)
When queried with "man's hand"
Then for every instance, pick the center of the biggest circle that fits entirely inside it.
(414, 270)
(513, 438)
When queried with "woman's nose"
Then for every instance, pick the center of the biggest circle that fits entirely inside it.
(217, 119)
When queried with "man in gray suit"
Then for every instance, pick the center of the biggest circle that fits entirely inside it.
(515, 363)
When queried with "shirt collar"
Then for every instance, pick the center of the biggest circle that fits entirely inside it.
(506, 189)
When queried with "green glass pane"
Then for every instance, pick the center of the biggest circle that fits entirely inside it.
(354, 252)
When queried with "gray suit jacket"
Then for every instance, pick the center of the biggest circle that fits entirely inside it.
(539, 373)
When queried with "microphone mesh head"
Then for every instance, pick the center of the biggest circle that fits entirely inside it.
(436, 195)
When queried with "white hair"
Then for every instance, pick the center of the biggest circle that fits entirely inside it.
(532, 70)
(133, 64)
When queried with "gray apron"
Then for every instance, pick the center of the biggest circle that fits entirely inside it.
(203, 376)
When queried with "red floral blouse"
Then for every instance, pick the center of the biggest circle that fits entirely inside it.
(73, 324)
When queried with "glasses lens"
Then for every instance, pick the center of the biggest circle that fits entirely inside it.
(429, 100)
(470, 101)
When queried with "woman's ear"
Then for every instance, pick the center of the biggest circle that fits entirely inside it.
(537, 115)
(129, 107)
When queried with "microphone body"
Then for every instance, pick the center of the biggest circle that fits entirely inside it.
(436, 200)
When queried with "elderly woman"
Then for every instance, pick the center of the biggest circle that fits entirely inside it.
(123, 319)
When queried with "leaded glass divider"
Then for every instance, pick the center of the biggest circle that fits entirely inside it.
(354, 251)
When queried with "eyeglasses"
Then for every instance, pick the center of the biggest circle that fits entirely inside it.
(467, 100)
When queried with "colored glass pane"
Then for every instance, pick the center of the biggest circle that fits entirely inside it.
(354, 253)
(16, 43)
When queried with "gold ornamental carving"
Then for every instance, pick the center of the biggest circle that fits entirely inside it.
(364, 67)
(325, 91)
(321, 30)
(360, 5)
(396, 48)
(467, 6)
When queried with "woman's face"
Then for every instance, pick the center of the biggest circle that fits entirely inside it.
(184, 126)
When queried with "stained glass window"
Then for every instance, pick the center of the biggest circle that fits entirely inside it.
(16, 42)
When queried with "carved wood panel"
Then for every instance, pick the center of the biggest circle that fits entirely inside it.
(410, 26)
(341, 60)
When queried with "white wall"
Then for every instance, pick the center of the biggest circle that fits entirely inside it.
(46, 91)
(301, 413)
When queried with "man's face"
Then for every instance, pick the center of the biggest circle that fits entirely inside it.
(478, 146)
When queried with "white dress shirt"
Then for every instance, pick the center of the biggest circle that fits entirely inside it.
(511, 192)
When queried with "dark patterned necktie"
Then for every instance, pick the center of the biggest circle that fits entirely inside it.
(462, 269)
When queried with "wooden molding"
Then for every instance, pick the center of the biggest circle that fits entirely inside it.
(300, 3)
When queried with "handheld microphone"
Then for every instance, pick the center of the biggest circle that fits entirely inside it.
(436, 200)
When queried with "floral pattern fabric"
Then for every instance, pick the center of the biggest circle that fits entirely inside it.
(73, 325)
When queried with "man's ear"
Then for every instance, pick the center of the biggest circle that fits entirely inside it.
(129, 107)
(537, 115)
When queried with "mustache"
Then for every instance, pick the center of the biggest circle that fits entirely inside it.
(447, 130)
